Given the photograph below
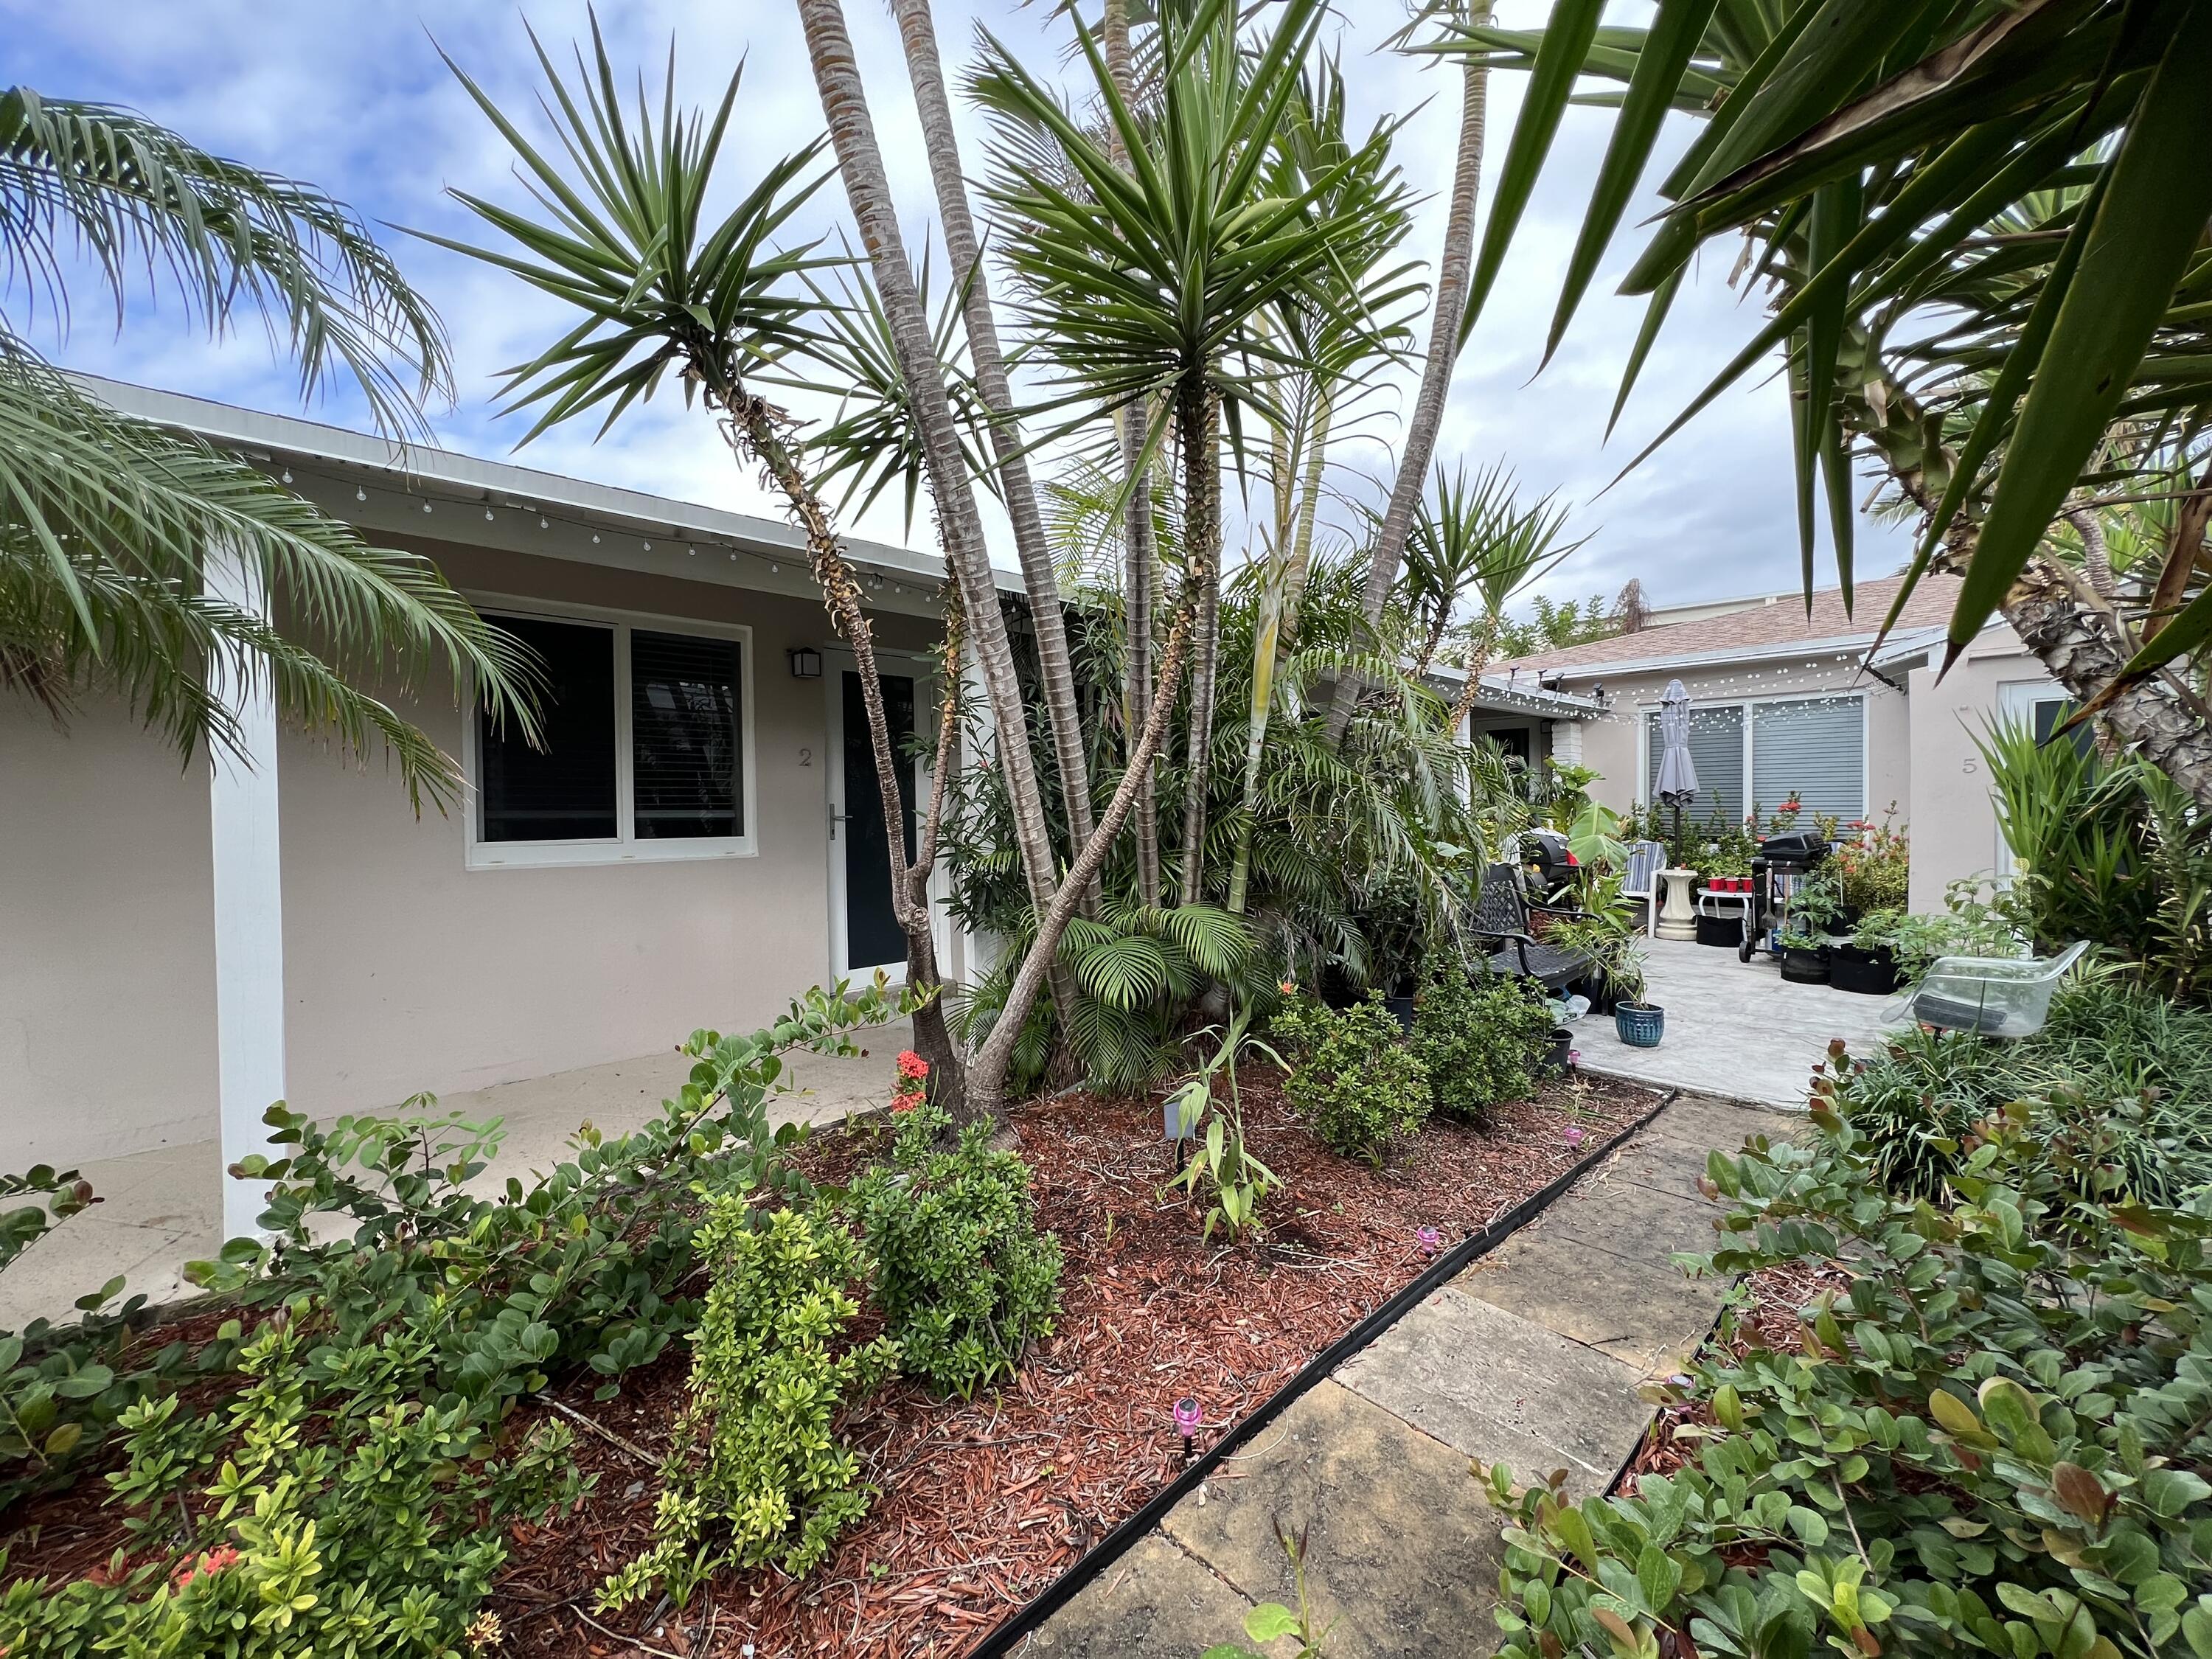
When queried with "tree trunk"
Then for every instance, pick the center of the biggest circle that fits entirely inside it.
(751, 424)
(1039, 574)
(852, 135)
(1452, 279)
(1198, 412)
(1139, 557)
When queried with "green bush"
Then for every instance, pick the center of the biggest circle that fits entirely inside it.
(2110, 1052)
(1353, 1077)
(320, 1512)
(1990, 1442)
(963, 1277)
(1482, 1038)
(754, 1474)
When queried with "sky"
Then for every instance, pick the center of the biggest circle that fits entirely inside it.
(351, 94)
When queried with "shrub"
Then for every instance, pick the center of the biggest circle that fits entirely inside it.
(754, 1474)
(1989, 1442)
(1481, 1038)
(2110, 1052)
(327, 1515)
(1873, 869)
(1353, 1078)
(963, 1277)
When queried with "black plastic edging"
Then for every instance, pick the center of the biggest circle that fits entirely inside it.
(1444, 1268)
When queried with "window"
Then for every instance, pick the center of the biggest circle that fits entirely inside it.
(1757, 753)
(644, 752)
(1715, 749)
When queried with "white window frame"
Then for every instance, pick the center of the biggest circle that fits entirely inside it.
(1750, 722)
(2017, 701)
(624, 847)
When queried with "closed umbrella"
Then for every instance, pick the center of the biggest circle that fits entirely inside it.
(1678, 774)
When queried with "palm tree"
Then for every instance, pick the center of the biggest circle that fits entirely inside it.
(1040, 572)
(1447, 334)
(110, 526)
(1143, 285)
(623, 238)
(1988, 230)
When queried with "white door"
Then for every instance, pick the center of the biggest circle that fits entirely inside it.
(864, 931)
(2040, 705)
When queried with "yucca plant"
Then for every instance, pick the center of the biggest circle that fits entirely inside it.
(1142, 283)
(140, 564)
(1988, 225)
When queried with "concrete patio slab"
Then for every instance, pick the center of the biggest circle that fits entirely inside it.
(163, 1208)
(1364, 1486)
(1736, 1030)
(1648, 1316)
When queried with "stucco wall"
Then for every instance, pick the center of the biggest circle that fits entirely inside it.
(404, 970)
(1955, 834)
(1609, 742)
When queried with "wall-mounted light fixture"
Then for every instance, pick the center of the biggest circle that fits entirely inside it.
(805, 663)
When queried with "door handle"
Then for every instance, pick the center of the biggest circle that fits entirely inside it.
(836, 818)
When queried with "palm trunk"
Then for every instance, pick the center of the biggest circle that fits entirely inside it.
(853, 135)
(1452, 279)
(1039, 575)
(751, 424)
(1294, 589)
(1478, 659)
(1198, 412)
(1139, 559)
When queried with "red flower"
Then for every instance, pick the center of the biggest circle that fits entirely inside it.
(206, 1567)
(912, 1067)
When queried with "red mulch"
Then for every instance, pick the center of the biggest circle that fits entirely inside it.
(1771, 1319)
(984, 1502)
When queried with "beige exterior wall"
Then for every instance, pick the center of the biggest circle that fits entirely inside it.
(1610, 742)
(1955, 832)
(404, 970)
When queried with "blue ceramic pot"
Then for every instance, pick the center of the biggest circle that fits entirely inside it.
(1640, 1024)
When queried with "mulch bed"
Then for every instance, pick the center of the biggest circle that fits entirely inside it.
(984, 1502)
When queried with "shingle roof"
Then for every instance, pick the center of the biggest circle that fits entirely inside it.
(1777, 622)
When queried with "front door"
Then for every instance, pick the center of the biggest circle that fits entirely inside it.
(865, 933)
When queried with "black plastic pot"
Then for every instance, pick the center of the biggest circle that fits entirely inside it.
(1805, 966)
(1869, 972)
(1403, 1008)
(1562, 1045)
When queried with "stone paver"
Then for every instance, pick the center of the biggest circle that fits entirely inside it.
(1156, 1600)
(1734, 1030)
(1534, 1357)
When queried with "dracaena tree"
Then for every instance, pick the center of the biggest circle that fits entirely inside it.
(111, 528)
(1146, 261)
(1985, 228)
(660, 288)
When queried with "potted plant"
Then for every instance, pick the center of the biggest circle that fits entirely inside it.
(1867, 962)
(1605, 933)
(1804, 956)
(1640, 1023)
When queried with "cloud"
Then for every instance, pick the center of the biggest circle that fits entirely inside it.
(351, 94)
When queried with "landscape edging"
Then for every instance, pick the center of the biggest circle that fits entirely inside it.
(1447, 1266)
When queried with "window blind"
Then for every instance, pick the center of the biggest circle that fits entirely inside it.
(1817, 748)
(685, 736)
(1716, 751)
(565, 791)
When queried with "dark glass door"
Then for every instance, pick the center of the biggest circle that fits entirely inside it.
(873, 938)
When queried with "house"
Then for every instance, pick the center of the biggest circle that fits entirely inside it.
(1784, 700)
(178, 946)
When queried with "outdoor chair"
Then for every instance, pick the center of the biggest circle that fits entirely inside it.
(1501, 917)
(1645, 861)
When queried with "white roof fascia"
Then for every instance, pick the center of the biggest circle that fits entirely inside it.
(1499, 697)
(424, 469)
(1598, 670)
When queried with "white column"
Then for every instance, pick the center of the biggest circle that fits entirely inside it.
(1567, 742)
(249, 919)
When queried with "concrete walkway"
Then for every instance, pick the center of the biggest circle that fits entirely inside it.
(162, 1209)
(1735, 1030)
(1532, 1356)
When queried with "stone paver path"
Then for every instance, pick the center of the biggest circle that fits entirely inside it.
(1532, 1356)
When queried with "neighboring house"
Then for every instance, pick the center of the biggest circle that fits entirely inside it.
(698, 843)
(1783, 701)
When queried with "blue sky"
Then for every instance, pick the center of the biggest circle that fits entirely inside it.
(350, 95)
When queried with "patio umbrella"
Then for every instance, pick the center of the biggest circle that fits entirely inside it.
(1678, 774)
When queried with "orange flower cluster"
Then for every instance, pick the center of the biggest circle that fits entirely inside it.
(913, 1069)
(206, 1566)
